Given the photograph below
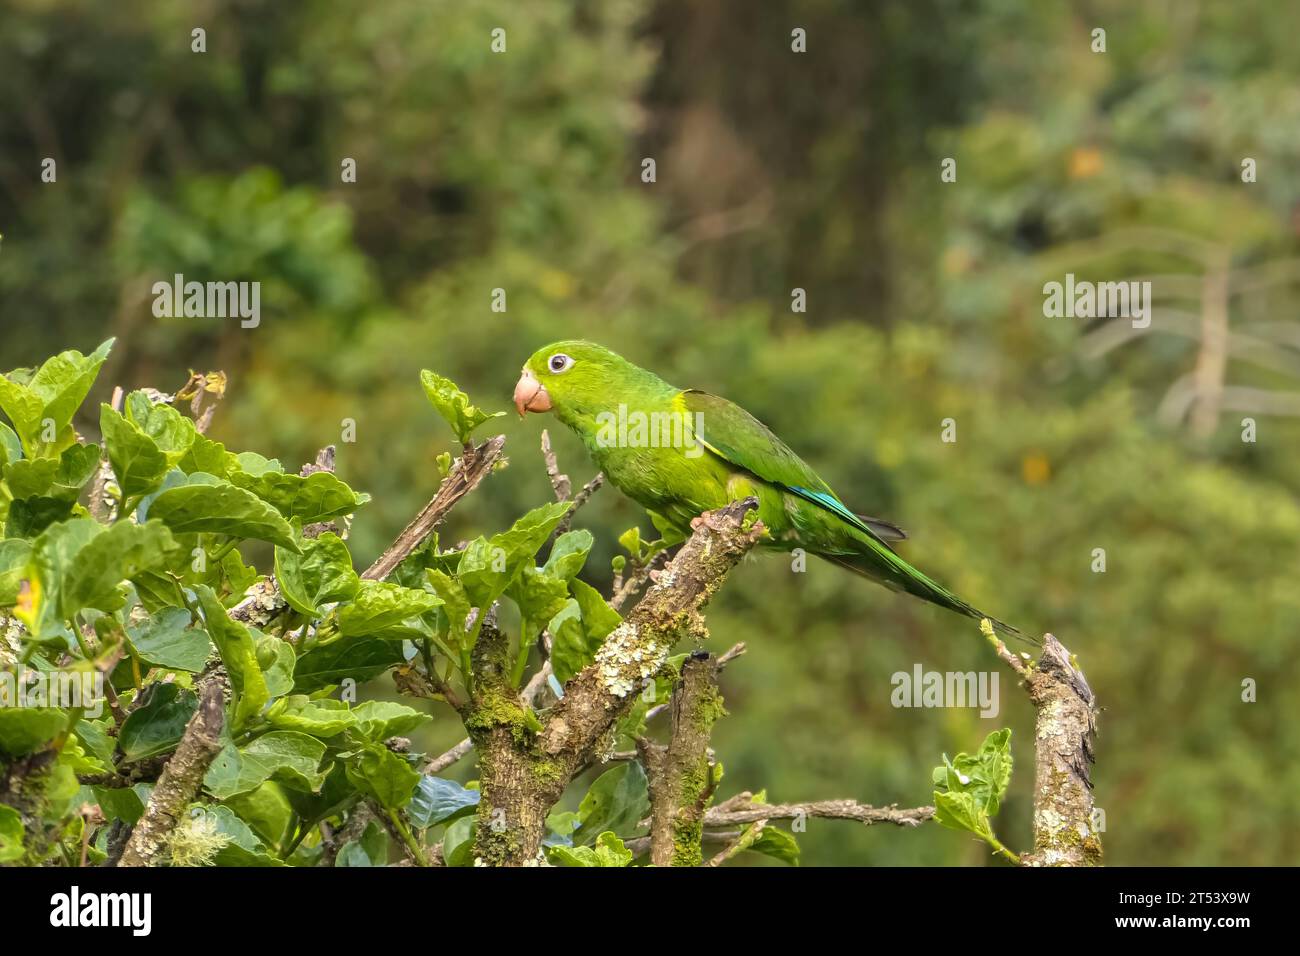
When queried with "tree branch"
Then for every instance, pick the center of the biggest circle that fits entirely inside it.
(179, 782)
(1065, 833)
(523, 771)
(465, 475)
(679, 773)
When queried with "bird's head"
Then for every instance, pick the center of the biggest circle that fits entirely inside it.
(573, 378)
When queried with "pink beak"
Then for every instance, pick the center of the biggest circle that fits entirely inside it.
(530, 395)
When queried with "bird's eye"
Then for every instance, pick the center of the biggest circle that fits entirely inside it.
(559, 362)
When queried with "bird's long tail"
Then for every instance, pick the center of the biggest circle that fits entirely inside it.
(885, 566)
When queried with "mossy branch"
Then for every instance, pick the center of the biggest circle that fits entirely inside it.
(679, 772)
(525, 765)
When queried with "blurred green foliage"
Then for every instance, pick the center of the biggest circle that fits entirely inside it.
(521, 171)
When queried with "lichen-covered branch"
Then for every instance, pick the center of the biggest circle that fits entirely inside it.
(741, 809)
(636, 649)
(179, 782)
(465, 475)
(1065, 832)
(524, 765)
(679, 772)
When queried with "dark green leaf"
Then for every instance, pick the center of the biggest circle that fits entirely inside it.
(617, 801)
(208, 504)
(437, 800)
(169, 640)
(157, 725)
(321, 574)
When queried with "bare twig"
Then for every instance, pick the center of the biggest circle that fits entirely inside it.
(738, 843)
(179, 782)
(737, 812)
(444, 760)
(465, 474)
(559, 482)
(625, 588)
(564, 488)
(103, 506)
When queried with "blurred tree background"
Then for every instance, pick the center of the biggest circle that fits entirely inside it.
(775, 170)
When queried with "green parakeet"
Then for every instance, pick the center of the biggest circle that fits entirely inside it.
(681, 452)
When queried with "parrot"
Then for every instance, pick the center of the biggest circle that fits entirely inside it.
(681, 452)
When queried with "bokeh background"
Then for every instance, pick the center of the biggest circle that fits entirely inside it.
(775, 170)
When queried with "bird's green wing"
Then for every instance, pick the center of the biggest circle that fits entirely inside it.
(738, 437)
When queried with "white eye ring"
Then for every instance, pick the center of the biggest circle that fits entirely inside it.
(559, 362)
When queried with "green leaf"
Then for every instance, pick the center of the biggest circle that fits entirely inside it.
(437, 800)
(138, 463)
(250, 462)
(25, 409)
(570, 652)
(985, 775)
(608, 851)
(29, 517)
(778, 844)
(617, 801)
(207, 456)
(455, 603)
(384, 775)
(569, 554)
(15, 554)
(170, 640)
(380, 605)
(630, 541)
(266, 809)
(539, 596)
(209, 504)
(377, 720)
(488, 566)
(11, 447)
(370, 850)
(171, 431)
(77, 465)
(357, 660)
(238, 652)
(290, 756)
(124, 803)
(458, 842)
(243, 848)
(93, 735)
(322, 573)
(579, 629)
(11, 835)
(63, 382)
(156, 726)
(598, 618)
(453, 405)
(123, 551)
(320, 718)
(276, 659)
(24, 730)
(959, 811)
(317, 497)
(53, 561)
